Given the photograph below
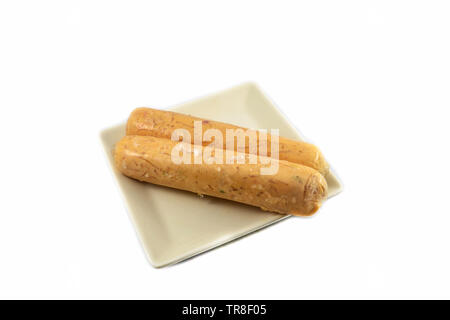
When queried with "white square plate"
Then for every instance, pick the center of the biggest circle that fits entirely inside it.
(174, 225)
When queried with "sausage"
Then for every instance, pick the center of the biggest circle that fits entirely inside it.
(294, 189)
(160, 123)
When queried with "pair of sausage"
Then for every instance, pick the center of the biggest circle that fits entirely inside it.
(298, 187)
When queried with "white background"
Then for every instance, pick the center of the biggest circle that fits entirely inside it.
(367, 81)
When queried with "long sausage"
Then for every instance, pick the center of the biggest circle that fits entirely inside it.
(161, 124)
(295, 189)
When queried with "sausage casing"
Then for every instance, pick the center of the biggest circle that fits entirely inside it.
(161, 124)
(294, 189)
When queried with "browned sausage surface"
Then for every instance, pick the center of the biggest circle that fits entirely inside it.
(295, 189)
(161, 124)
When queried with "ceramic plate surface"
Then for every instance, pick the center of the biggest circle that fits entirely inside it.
(174, 225)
